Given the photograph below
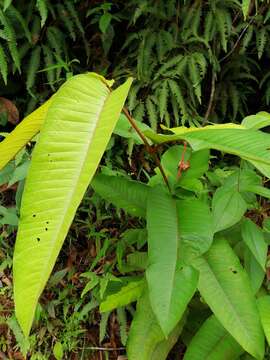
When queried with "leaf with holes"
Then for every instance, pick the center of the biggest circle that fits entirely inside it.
(225, 287)
(77, 128)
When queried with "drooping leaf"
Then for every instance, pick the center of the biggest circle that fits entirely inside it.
(245, 7)
(127, 294)
(225, 287)
(171, 286)
(254, 239)
(264, 309)
(146, 340)
(77, 128)
(251, 145)
(22, 134)
(228, 207)
(123, 193)
(213, 342)
(258, 121)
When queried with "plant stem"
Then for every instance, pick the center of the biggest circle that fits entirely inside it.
(148, 146)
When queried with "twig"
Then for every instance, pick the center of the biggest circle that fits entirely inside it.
(211, 99)
(96, 348)
(148, 147)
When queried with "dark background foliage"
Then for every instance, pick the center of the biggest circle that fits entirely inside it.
(194, 62)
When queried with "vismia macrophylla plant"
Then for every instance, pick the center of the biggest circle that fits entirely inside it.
(197, 242)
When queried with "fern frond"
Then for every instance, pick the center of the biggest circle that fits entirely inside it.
(152, 113)
(139, 112)
(164, 44)
(6, 4)
(67, 20)
(195, 77)
(35, 30)
(132, 97)
(12, 44)
(55, 40)
(177, 94)
(247, 38)
(3, 65)
(209, 25)
(234, 97)
(224, 25)
(43, 11)
(103, 326)
(163, 99)
(169, 64)
(261, 39)
(70, 7)
(122, 320)
(13, 12)
(32, 69)
(48, 61)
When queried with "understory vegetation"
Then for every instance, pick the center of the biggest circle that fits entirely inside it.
(134, 212)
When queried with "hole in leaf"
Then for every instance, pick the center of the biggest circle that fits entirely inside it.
(46, 229)
(38, 239)
(34, 215)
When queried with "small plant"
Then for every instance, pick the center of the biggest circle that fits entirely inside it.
(202, 243)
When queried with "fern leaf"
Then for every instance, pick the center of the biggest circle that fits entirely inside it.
(35, 30)
(152, 113)
(3, 65)
(147, 58)
(234, 99)
(247, 38)
(261, 39)
(33, 67)
(132, 97)
(12, 44)
(103, 326)
(122, 320)
(48, 60)
(224, 24)
(172, 63)
(139, 112)
(177, 94)
(208, 26)
(195, 77)
(55, 40)
(69, 5)
(43, 11)
(67, 20)
(13, 12)
(164, 44)
(163, 99)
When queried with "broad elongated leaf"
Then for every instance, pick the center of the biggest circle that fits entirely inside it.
(225, 287)
(258, 121)
(196, 230)
(123, 193)
(146, 340)
(228, 207)
(127, 294)
(251, 145)
(213, 342)
(23, 133)
(171, 286)
(254, 239)
(77, 128)
(264, 310)
(255, 272)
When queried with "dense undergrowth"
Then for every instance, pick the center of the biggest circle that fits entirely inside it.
(194, 63)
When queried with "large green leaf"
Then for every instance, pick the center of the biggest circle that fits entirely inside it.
(251, 145)
(22, 134)
(127, 294)
(123, 193)
(264, 310)
(257, 121)
(171, 286)
(146, 340)
(228, 207)
(254, 239)
(225, 286)
(195, 236)
(78, 126)
(213, 342)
